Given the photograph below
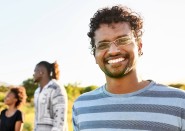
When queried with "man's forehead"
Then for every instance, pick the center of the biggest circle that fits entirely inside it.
(112, 30)
(114, 26)
(40, 68)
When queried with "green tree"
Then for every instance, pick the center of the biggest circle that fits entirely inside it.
(87, 89)
(73, 90)
(3, 88)
(30, 87)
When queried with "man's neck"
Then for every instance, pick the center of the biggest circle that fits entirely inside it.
(44, 82)
(127, 84)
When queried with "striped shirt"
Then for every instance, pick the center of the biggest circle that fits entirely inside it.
(156, 108)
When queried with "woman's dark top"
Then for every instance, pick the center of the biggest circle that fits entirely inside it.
(8, 123)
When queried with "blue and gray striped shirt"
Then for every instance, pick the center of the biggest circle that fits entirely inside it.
(156, 108)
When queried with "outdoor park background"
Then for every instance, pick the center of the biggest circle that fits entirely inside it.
(32, 31)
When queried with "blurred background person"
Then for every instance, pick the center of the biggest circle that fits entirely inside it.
(11, 118)
(50, 99)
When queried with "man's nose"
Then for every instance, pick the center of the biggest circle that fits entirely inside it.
(113, 48)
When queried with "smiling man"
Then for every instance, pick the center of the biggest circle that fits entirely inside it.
(126, 101)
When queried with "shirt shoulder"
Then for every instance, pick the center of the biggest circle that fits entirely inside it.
(54, 85)
(94, 94)
(37, 90)
(19, 115)
(19, 112)
(162, 87)
(3, 112)
(164, 91)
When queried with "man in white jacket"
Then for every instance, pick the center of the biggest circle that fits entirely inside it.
(50, 99)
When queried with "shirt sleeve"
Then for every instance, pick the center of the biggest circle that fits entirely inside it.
(183, 116)
(19, 116)
(36, 93)
(59, 105)
(74, 120)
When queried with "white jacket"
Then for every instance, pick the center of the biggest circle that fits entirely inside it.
(50, 108)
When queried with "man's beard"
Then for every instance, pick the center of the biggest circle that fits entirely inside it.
(120, 74)
(36, 80)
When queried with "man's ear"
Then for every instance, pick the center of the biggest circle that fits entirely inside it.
(95, 57)
(140, 45)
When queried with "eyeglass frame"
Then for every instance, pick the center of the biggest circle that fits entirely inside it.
(128, 40)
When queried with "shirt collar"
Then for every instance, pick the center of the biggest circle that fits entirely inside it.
(47, 85)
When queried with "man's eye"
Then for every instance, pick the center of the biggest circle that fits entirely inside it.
(103, 46)
(123, 41)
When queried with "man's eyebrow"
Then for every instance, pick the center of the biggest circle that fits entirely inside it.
(126, 35)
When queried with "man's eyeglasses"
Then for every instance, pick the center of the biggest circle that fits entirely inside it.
(122, 41)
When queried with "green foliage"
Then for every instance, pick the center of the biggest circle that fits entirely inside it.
(73, 90)
(3, 89)
(176, 85)
(2, 106)
(87, 89)
(30, 87)
(2, 95)
(28, 111)
(27, 126)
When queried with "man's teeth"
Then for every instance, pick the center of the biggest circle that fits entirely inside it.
(116, 60)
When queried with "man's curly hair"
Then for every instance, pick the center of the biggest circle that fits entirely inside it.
(115, 14)
(20, 94)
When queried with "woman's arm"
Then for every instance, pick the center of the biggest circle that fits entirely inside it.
(19, 123)
(18, 126)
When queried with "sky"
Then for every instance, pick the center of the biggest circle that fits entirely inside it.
(56, 30)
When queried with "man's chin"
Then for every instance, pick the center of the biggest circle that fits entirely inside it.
(118, 74)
